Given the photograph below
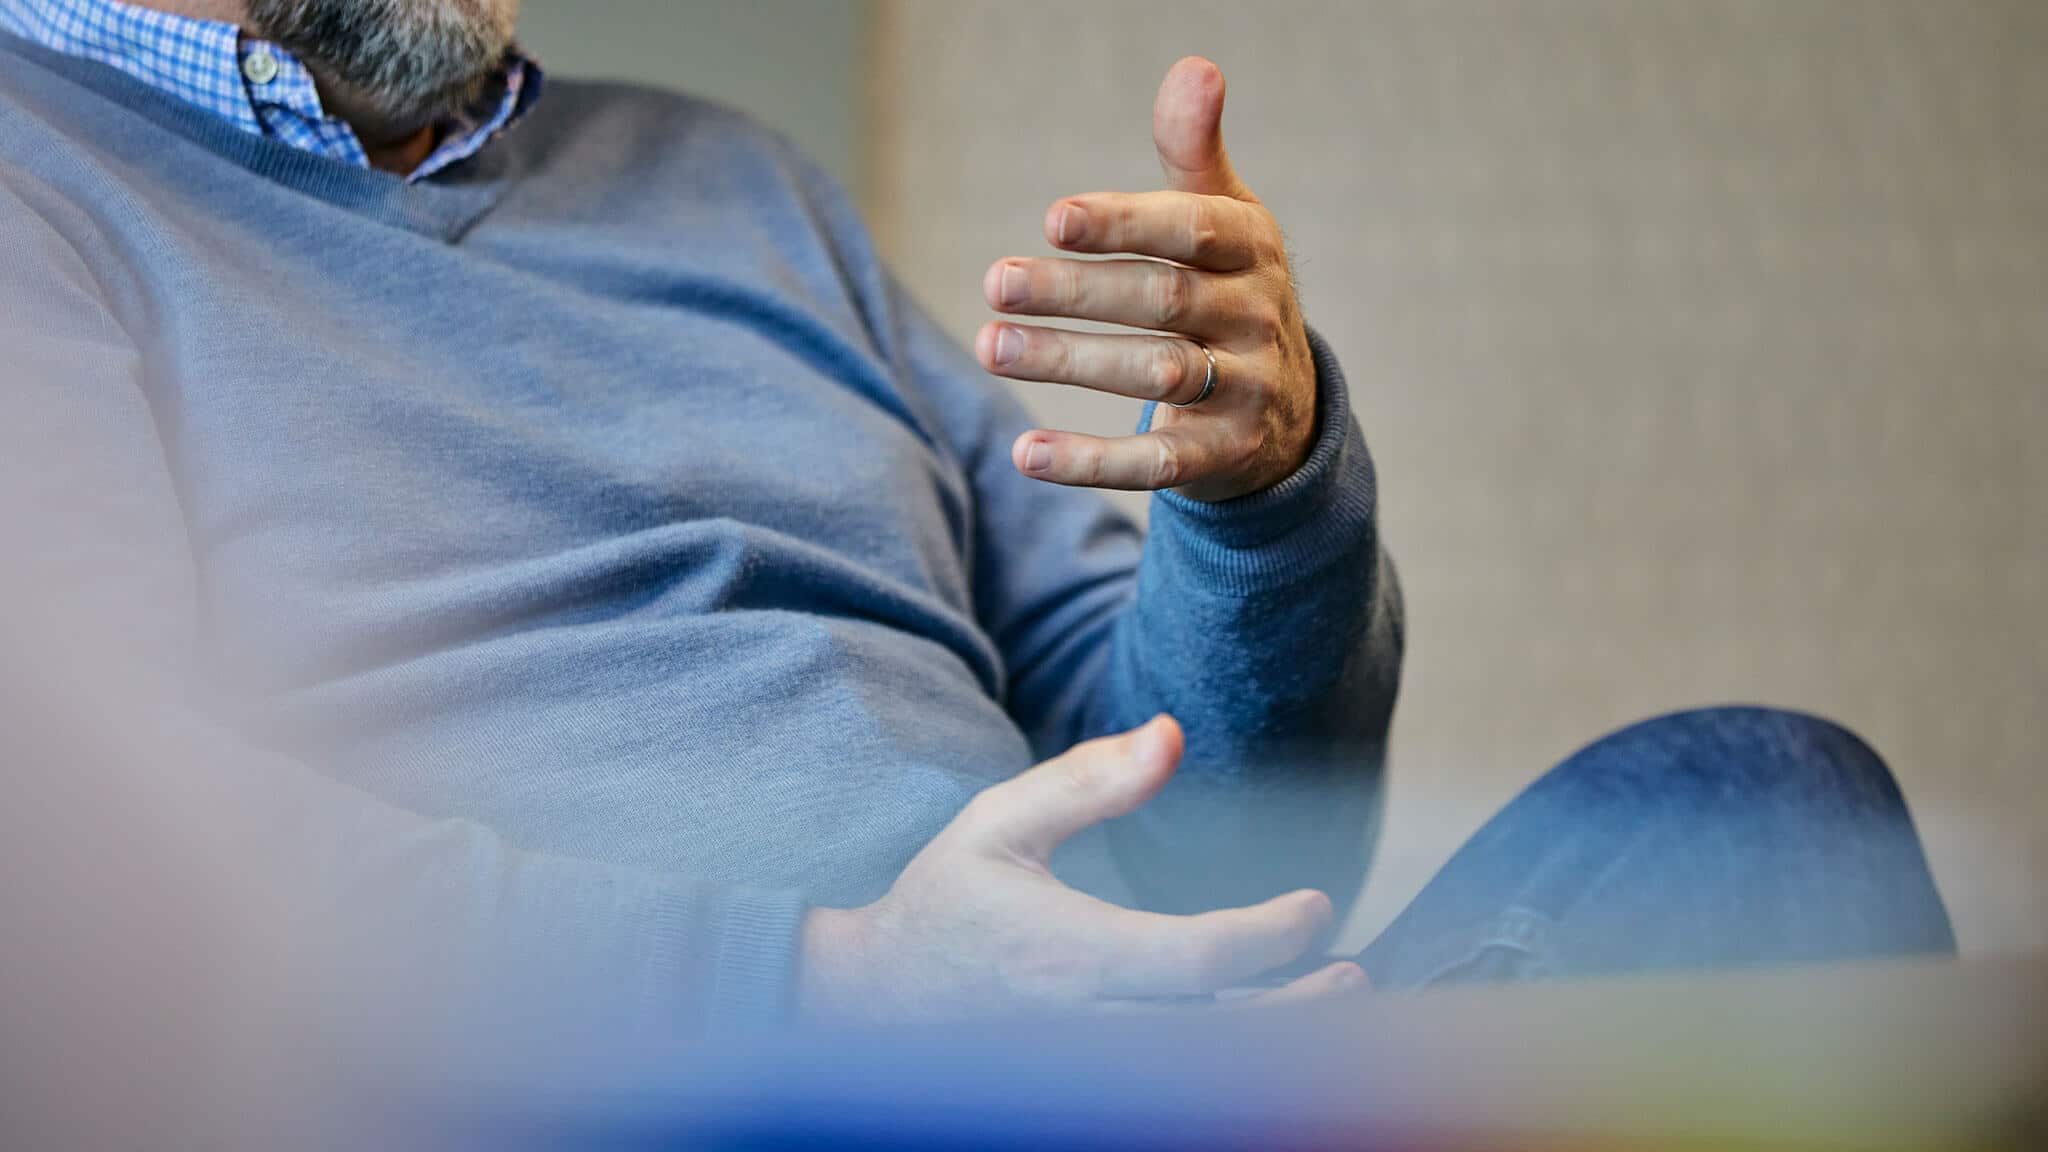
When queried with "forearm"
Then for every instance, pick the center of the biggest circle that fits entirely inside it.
(1270, 626)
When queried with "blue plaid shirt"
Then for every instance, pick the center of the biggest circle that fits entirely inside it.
(254, 83)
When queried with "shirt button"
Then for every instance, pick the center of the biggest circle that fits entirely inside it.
(260, 67)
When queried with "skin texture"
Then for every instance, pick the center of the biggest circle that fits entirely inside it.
(977, 926)
(1217, 274)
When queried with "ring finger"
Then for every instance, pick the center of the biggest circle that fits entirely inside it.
(1168, 368)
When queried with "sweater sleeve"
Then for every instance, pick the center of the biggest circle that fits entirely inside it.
(1269, 626)
(481, 950)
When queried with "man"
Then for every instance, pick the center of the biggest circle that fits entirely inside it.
(559, 471)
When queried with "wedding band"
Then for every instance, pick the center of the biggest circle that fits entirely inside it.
(1208, 380)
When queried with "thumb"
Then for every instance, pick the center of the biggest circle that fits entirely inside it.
(1036, 811)
(1187, 128)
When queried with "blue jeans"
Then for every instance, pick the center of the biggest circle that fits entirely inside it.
(1725, 837)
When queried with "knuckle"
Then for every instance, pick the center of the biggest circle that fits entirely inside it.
(1200, 230)
(1167, 463)
(1116, 224)
(1064, 286)
(1256, 384)
(1170, 293)
(1267, 318)
(1059, 354)
(1087, 467)
(1248, 450)
(1167, 369)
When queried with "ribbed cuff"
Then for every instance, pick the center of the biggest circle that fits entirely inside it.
(1321, 513)
(753, 973)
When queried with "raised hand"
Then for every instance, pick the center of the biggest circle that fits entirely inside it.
(976, 925)
(1218, 285)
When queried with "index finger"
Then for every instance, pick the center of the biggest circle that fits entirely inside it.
(1214, 233)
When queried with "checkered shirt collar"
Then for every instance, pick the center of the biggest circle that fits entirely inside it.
(254, 83)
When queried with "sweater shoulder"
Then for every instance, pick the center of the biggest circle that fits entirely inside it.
(627, 120)
(635, 150)
(603, 99)
(31, 91)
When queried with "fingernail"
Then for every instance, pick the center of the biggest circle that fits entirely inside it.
(1073, 223)
(1009, 345)
(1037, 457)
(1351, 978)
(1011, 286)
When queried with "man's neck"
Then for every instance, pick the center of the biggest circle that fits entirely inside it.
(393, 148)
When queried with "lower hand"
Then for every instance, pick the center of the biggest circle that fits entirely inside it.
(1219, 286)
(977, 926)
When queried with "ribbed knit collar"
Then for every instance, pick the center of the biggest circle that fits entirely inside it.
(446, 206)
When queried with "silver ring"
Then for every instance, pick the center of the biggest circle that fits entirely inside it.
(1208, 380)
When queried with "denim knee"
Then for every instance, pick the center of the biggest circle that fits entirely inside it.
(1768, 815)
(1716, 837)
(1706, 759)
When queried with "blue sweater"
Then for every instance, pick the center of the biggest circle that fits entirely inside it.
(596, 530)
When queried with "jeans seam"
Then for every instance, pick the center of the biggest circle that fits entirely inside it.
(1516, 928)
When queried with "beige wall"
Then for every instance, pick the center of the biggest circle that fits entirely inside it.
(1703, 346)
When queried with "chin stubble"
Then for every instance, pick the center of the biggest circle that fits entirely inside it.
(406, 61)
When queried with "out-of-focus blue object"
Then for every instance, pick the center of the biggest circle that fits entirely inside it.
(1728, 837)
(1900, 1055)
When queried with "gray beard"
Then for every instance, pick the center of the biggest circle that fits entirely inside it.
(406, 62)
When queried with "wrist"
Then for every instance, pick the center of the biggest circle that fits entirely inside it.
(1320, 514)
(1298, 439)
